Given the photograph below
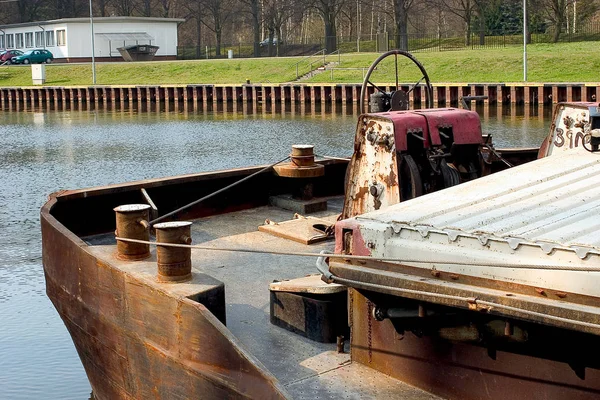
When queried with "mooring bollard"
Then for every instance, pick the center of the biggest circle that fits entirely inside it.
(132, 223)
(174, 263)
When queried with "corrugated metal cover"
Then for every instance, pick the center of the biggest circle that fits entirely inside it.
(550, 203)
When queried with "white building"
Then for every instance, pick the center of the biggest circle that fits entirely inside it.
(69, 39)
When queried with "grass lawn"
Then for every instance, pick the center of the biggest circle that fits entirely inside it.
(561, 62)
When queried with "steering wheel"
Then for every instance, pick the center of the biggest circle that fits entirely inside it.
(397, 99)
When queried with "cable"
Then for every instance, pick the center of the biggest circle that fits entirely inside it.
(363, 258)
(156, 220)
(332, 158)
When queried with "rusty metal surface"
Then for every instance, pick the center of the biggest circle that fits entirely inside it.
(72, 207)
(464, 294)
(137, 341)
(157, 341)
(291, 170)
(174, 264)
(400, 155)
(132, 223)
(372, 181)
(463, 371)
(405, 123)
(302, 164)
(465, 125)
(544, 217)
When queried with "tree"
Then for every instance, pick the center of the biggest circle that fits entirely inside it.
(276, 13)
(194, 10)
(30, 10)
(124, 8)
(401, 9)
(555, 12)
(463, 9)
(68, 8)
(329, 10)
(218, 13)
(254, 8)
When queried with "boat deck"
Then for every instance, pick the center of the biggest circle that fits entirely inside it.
(307, 369)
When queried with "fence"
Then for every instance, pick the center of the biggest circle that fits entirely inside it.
(417, 42)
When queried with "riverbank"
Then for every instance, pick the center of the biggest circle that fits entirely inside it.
(559, 63)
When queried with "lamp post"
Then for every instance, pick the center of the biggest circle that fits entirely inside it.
(93, 58)
(525, 40)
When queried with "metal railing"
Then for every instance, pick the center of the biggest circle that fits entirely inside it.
(318, 53)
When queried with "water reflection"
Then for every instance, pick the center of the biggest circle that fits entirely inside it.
(64, 147)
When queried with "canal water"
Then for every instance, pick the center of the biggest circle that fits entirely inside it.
(42, 152)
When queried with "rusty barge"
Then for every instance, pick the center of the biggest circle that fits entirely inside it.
(445, 278)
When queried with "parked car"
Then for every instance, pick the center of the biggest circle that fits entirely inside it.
(6, 56)
(37, 56)
(266, 42)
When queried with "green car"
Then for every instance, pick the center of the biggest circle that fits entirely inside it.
(38, 56)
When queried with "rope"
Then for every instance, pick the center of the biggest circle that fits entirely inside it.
(364, 258)
(332, 158)
(154, 221)
(350, 282)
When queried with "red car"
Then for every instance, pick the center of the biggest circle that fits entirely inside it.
(7, 55)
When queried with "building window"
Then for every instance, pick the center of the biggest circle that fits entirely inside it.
(49, 38)
(2, 44)
(28, 39)
(19, 39)
(61, 37)
(10, 41)
(39, 39)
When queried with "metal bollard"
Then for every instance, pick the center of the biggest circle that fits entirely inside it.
(303, 155)
(132, 223)
(174, 263)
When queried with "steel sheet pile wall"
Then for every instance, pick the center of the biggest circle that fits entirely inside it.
(444, 95)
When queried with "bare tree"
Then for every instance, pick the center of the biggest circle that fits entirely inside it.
(329, 11)
(276, 14)
(30, 10)
(124, 8)
(253, 7)
(463, 9)
(102, 7)
(555, 11)
(167, 8)
(195, 11)
(146, 6)
(401, 9)
(67, 8)
(218, 13)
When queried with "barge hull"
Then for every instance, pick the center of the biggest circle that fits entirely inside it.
(455, 370)
(175, 345)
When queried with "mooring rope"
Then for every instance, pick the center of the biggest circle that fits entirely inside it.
(332, 158)
(402, 291)
(365, 258)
